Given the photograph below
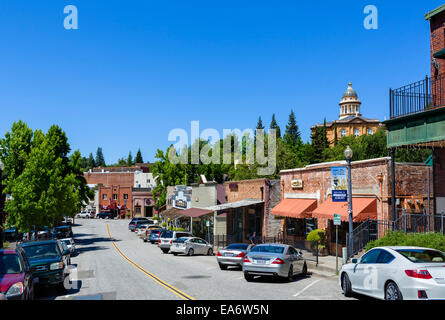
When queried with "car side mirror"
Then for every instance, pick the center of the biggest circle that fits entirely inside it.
(66, 252)
(355, 261)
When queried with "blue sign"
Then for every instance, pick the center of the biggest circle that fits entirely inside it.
(339, 180)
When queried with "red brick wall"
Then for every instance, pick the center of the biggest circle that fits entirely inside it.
(124, 179)
(439, 172)
(437, 28)
(116, 189)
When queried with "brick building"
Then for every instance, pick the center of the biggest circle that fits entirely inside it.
(307, 195)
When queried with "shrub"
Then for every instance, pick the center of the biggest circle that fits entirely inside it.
(316, 235)
(164, 224)
(155, 218)
(178, 229)
(396, 238)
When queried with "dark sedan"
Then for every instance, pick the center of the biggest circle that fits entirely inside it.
(104, 215)
(16, 277)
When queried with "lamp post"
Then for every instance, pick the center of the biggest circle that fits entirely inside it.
(348, 156)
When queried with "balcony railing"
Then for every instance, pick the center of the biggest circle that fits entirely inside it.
(417, 97)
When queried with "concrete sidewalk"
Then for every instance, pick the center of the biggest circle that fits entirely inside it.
(326, 264)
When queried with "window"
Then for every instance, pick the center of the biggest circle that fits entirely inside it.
(385, 257)
(114, 196)
(422, 255)
(125, 196)
(104, 197)
(356, 132)
(370, 131)
(291, 251)
(371, 256)
(343, 133)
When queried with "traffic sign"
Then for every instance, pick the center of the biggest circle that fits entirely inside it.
(337, 219)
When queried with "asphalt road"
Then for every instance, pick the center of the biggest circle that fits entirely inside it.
(124, 267)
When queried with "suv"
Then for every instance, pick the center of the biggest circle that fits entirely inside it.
(49, 261)
(16, 276)
(137, 222)
(168, 236)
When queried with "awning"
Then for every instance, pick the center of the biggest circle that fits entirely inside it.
(172, 213)
(236, 204)
(295, 208)
(440, 54)
(362, 208)
(195, 212)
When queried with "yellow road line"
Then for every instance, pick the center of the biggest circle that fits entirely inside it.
(152, 276)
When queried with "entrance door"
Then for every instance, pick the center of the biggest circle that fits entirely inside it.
(148, 211)
(237, 224)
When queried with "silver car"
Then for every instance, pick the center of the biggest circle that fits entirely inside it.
(191, 246)
(232, 255)
(168, 236)
(277, 260)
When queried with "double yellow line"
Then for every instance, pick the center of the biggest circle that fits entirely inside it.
(169, 287)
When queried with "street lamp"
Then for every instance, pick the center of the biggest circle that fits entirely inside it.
(348, 156)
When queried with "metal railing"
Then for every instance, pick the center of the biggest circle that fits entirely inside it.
(417, 97)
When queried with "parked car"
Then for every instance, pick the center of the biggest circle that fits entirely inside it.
(138, 221)
(232, 255)
(139, 229)
(396, 273)
(11, 234)
(167, 236)
(191, 246)
(145, 235)
(105, 215)
(49, 261)
(154, 235)
(16, 276)
(278, 260)
(62, 232)
(71, 246)
(83, 215)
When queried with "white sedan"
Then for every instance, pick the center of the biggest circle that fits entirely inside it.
(191, 246)
(83, 215)
(396, 273)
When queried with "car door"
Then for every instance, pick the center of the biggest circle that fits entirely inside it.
(202, 246)
(298, 260)
(365, 274)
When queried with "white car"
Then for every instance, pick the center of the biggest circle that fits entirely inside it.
(83, 215)
(191, 246)
(396, 273)
(70, 245)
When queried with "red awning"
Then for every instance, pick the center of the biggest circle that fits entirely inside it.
(362, 208)
(295, 208)
(195, 212)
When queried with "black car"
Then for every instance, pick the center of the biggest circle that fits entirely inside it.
(49, 260)
(11, 234)
(105, 215)
(62, 232)
(135, 222)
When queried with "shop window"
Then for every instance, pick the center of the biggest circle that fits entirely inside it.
(370, 131)
(300, 227)
(138, 210)
(343, 133)
(356, 132)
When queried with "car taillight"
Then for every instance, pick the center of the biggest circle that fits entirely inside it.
(159, 241)
(171, 241)
(278, 261)
(242, 254)
(219, 254)
(419, 274)
(246, 259)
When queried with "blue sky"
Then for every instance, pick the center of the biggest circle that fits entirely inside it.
(134, 70)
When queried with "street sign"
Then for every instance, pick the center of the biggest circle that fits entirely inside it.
(208, 223)
(337, 219)
(339, 184)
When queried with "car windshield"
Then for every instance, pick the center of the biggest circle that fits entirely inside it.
(49, 250)
(10, 264)
(422, 255)
(268, 249)
(67, 242)
(167, 234)
(237, 247)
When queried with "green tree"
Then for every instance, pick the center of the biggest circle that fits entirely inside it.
(139, 158)
(274, 125)
(100, 160)
(129, 160)
(292, 135)
(319, 144)
(91, 163)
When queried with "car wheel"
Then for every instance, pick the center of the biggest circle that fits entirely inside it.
(145, 240)
(290, 274)
(61, 287)
(346, 285)
(210, 252)
(175, 254)
(222, 266)
(191, 252)
(392, 292)
(248, 277)
(304, 272)
(165, 250)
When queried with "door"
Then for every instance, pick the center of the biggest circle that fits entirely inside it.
(364, 276)
(297, 260)
(202, 246)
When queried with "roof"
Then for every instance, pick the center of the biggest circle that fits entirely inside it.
(362, 208)
(346, 120)
(350, 92)
(434, 12)
(295, 208)
(195, 212)
(172, 213)
(236, 204)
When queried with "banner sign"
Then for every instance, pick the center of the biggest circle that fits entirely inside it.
(339, 180)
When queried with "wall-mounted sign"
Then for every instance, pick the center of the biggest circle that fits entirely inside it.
(297, 184)
(182, 197)
(147, 202)
(339, 180)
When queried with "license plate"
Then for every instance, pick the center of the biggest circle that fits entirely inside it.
(260, 261)
(36, 280)
(229, 255)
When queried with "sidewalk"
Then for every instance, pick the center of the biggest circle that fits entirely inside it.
(326, 264)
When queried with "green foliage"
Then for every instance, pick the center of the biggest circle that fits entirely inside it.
(100, 160)
(397, 238)
(5, 245)
(139, 158)
(274, 125)
(292, 136)
(130, 160)
(316, 235)
(164, 224)
(178, 229)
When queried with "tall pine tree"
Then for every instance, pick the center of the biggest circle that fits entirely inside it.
(292, 136)
(138, 158)
(130, 160)
(100, 160)
(274, 125)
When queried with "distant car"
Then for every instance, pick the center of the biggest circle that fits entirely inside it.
(83, 215)
(396, 273)
(16, 276)
(138, 221)
(154, 235)
(140, 229)
(104, 215)
(168, 236)
(71, 246)
(49, 261)
(191, 246)
(11, 234)
(276, 260)
(232, 255)
(62, 232)
(146, 234)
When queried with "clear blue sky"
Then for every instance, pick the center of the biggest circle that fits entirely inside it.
(134, 70)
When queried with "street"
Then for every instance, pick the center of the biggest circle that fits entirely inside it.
(124, 267)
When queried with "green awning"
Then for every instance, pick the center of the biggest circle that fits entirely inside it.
(440, 54)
